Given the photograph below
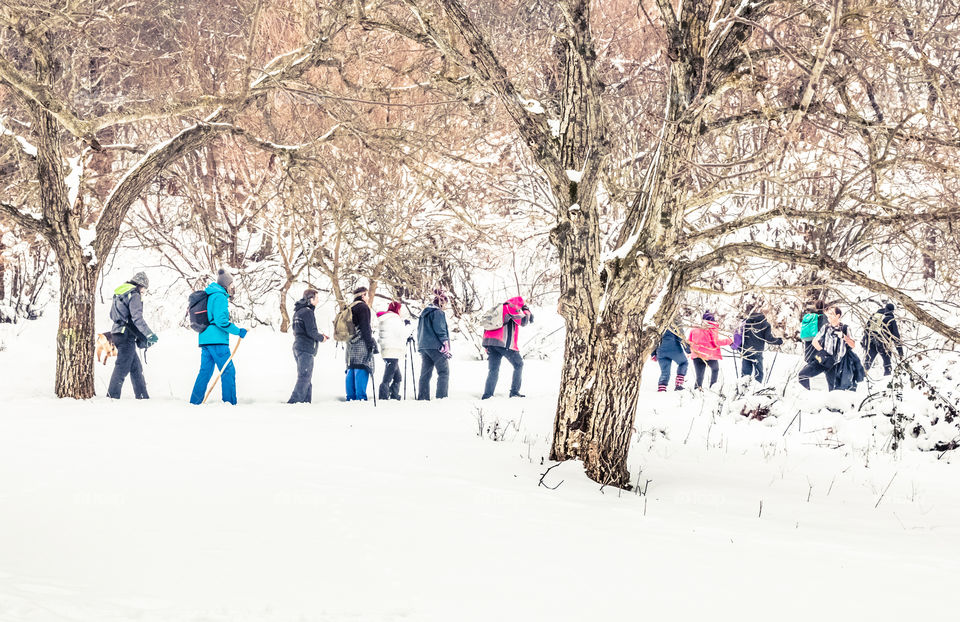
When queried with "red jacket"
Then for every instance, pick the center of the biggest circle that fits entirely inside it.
(514, 316)
(705, 342)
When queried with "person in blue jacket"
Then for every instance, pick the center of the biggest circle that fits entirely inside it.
(215, 341)
(671, 350)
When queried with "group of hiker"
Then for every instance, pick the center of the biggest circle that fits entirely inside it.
(828, 347)
(209, 315)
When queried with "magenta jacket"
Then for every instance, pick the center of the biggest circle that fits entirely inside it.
(705, 342)
(514, 316)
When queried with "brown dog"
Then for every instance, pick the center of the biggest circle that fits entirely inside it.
(105, 347)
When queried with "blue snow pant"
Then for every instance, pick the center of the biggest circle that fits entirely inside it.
(665, 361)
(210, 357)
(494, 355)
(128, 363)
(752, 364)
(357, 384)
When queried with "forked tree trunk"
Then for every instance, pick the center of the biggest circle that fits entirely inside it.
(76, 330)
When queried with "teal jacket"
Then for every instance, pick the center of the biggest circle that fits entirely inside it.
(218, 311)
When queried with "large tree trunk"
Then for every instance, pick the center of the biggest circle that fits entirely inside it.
(76, 330)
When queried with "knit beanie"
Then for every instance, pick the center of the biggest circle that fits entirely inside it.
(709, 316)
(140, 279)
(224, 279)
(394, 307)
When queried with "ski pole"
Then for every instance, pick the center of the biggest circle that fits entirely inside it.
(220, 372)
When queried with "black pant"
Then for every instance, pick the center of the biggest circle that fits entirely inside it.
(872, 352)
(495, 354)
(303, 390)
(752, 363)
(814, 368)
(127, 363)
(700, 366)
(430, 359)
(390, 385)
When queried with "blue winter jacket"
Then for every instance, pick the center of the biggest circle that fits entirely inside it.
(432, 329)
(218, 312)
(671, 347)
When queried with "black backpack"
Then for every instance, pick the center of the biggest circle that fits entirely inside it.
(197, 311)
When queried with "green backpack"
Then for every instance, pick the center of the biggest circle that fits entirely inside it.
(809, 327)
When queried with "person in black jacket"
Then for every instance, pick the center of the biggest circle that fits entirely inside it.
(756, 335)
(306, 337)
(360, 349)
(881, 337)
(130, 331)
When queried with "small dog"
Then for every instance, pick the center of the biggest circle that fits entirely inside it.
(105, 347)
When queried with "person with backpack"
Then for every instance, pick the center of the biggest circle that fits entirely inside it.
(754, 335)
(671, 350)
(393, 333)
(214, 340)
(881, 337)
(705, 343)
(130, 331)
(812, 322)
(306, 338)
(503, 343)
(830, 345)
(433, 343)
(360, 348)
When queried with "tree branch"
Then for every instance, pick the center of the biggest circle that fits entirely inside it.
(873, 219)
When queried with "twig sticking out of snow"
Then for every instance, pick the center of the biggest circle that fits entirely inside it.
(885, 491)
(544, 474)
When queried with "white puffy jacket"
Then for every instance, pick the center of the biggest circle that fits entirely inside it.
(393, 335)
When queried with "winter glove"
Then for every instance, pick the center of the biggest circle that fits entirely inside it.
(445, 349)
(654, 358)
(243, 333)
(375, 349)
(152, 339)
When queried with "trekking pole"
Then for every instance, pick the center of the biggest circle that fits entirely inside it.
(220, 372)
(404, 376)
(413, 370)
(766, 376)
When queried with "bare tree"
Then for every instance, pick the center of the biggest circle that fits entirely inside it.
(79, 76)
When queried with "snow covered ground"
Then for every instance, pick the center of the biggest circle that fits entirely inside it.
(160, 511)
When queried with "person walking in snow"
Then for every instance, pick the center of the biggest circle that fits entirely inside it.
(130, 331)
(433, 343)
(813, 320)
(756, 335)
(830, 346)
(393, 333)
(306, 338)
(882, 336)
(705, 343)
(360, 348)
(671, 350)
(214, 342)
(501, 343)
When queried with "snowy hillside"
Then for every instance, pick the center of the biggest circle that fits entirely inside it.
(159, 511)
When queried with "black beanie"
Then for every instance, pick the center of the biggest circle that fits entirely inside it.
(889, 306)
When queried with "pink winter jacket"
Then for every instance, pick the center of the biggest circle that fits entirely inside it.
(515, 315)
(705, 342)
